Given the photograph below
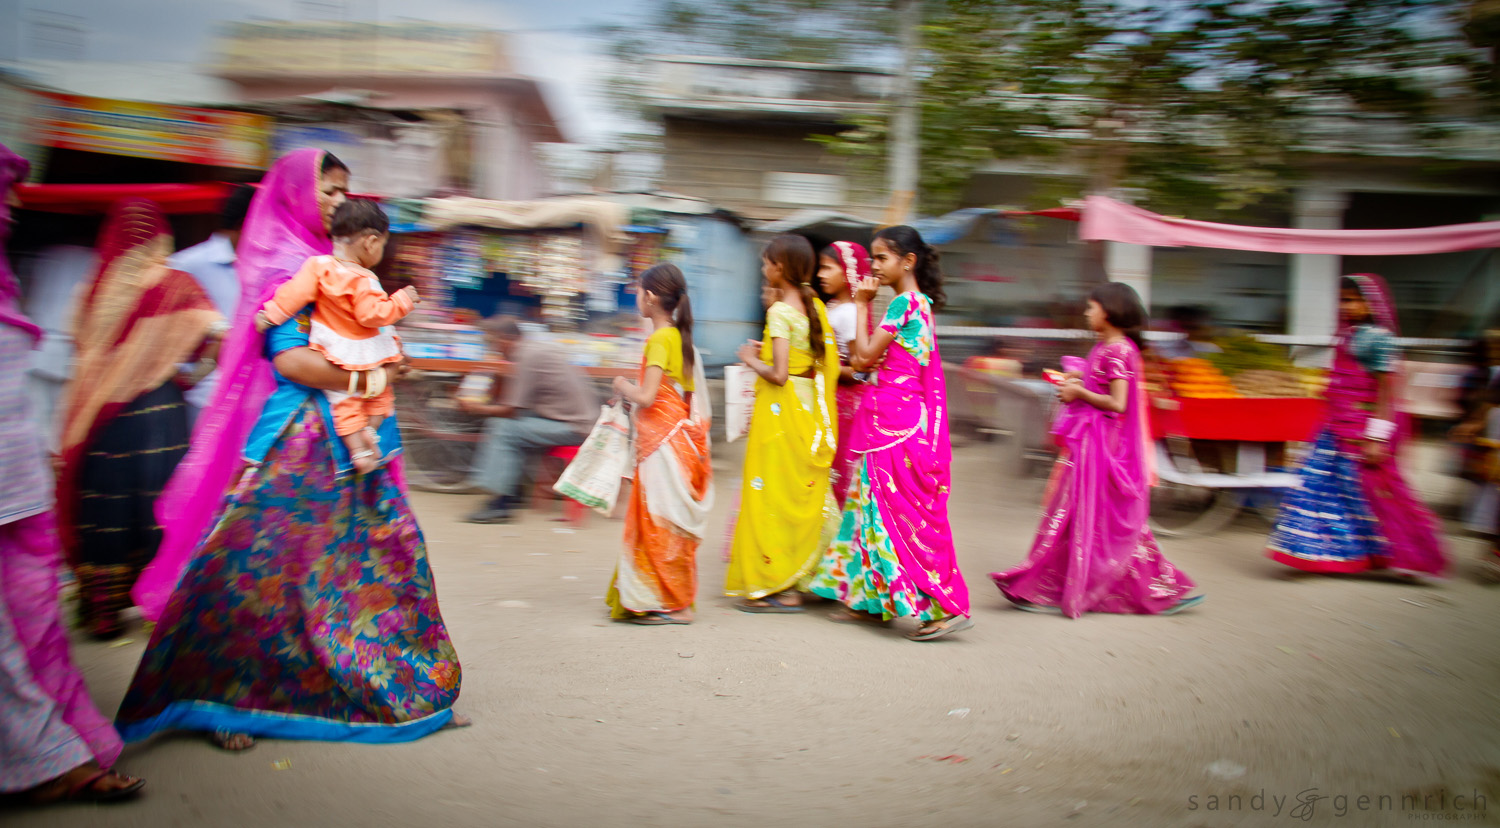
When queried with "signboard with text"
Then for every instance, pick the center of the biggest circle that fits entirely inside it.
(293, 49)
(145, 130)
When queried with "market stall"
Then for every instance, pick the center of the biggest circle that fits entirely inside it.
(563, 266)
(1222, 421)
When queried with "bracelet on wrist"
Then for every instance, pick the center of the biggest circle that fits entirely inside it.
(1379, 430)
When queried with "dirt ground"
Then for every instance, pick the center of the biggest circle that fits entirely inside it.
(1280, 690)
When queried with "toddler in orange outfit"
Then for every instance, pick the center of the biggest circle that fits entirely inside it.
(349, 310)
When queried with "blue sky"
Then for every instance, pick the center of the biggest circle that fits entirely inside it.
(549, 44)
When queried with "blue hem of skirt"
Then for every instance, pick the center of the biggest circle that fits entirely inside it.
(212, 716)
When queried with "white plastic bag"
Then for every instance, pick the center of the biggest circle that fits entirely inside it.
(739, 400)
(593, 478)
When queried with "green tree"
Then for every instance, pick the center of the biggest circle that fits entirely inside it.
(1196, 103)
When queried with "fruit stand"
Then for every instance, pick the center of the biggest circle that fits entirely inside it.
(1216, 419)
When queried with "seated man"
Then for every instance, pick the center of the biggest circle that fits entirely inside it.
(545, 402)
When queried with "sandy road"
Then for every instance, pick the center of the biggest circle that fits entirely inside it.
(1277, 686)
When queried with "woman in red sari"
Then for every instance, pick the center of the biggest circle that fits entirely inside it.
(125, 422)
(840, 267)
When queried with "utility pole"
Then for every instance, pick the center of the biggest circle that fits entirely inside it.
(903, 135)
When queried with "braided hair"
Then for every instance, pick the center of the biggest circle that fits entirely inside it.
(798, 266)
(904, 239)
(669, 286)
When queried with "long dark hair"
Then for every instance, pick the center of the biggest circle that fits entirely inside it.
(1122, 308)
(904, 240)
(670, 286)
(798, 265)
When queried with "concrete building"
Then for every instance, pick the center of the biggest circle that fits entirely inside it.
(739, 133)
(413, 108)
(468, 120)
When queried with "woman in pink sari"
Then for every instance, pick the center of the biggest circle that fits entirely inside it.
(54, 742)
(1094, 551)
(893, 555)
(1354, 510)
(305, 607)
(286, 225)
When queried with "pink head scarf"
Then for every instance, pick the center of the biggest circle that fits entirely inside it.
(283, 229)
(1377, 295)
(13, 169)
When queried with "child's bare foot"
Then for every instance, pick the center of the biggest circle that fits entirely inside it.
(458, 721)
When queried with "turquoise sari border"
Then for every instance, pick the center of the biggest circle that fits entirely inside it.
(212, 716)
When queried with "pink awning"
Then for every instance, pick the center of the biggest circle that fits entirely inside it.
(1105, 219)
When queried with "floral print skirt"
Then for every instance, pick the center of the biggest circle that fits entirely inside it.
(861, 568)
(308, 612)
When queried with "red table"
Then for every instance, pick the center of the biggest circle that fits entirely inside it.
(1243, 419)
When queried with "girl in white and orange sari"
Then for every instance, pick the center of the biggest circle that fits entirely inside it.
(656, 580)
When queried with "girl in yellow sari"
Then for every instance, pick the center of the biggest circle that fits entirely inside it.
(657, 576)
(785, 502)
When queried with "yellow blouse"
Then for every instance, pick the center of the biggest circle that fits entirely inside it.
(784, 322)
(664, 350)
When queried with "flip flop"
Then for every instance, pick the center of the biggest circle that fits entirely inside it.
(1186, 603)
(958, 624)
(1028, 606)
(84, 790)
(771, 605)
(655, 619)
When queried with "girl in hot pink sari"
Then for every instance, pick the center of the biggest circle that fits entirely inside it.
(1094, 551)
(894, 556)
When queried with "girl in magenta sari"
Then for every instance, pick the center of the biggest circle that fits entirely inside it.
(1354, 510)
(1094, 551)
(893, 555)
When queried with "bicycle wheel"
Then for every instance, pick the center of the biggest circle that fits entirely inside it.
(438, 439)
(1179, 511)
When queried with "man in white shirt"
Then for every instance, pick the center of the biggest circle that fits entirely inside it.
(53, 279)
(211, 263)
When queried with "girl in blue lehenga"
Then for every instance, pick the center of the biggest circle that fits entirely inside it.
(307, 610)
